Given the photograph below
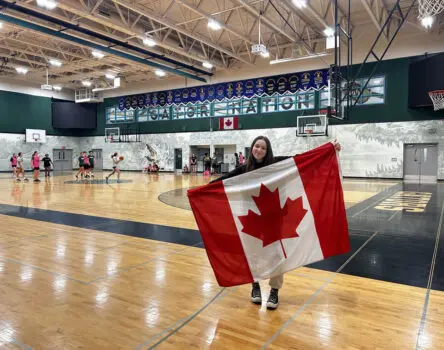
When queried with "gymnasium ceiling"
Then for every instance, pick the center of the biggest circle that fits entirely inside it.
(181, 33)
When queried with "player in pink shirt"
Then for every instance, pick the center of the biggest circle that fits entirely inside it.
(14, 165)
(86, 164)
(35, 164)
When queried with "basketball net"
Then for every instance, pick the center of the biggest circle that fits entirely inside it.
(430, 7)
(437, 99)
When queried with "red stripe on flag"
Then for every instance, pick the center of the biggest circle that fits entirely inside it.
(319, 171)
(236, 123)
(221, 123)
(213, 215)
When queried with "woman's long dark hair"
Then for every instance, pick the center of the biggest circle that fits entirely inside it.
(114, 154)
(268, 159)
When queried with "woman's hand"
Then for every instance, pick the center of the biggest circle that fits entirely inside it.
(337, 145)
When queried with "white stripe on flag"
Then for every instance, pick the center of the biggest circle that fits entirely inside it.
(269, 261)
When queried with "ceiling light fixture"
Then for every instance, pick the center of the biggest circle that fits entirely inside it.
(57, 87)
(21, 70)
(110, 76)
(329, 31)
(97, 54)
(213, 24)
(86, 83)
(55, 63)
(150, 42)
(207, 64)
(159, 73)
(427, 21)
(300, 3)
(47, 4)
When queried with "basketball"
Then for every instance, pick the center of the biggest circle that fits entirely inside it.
(121, 158)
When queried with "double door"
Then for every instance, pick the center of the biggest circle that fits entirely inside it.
(62, 159)
(421, 162)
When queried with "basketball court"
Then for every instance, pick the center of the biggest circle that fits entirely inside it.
(98, 263)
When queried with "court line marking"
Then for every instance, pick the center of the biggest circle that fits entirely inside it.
(22, 345)
(193, 316)
(112, 247)
(181, 321)
(374, 203)
(128, 268)
(394, 214)
(314, 295)
(42, 269)
(429, 282)
(32, 239)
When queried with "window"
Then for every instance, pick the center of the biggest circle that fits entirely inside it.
(374, 92)
(288, 102)
(142, 115)
(114, 115)
(242, 106)
(196, 110)
(110, 115)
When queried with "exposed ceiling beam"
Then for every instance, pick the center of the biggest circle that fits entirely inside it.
(133, 31)
(20, 22)
(166, 22)
(376, 15)
(222, 24)
(264, 19)
(94, 32)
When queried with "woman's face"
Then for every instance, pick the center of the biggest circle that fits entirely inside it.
(259, 150)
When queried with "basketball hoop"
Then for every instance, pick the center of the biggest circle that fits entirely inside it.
(437, 98)
(430, 7)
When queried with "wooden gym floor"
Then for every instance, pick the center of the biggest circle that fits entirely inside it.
(121, 266)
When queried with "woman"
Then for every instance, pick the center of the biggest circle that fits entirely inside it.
(14, 165)
(116, 161)
(35, 165)
(262, 155)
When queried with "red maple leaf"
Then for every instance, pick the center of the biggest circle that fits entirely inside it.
(274, 223)
(228, 122)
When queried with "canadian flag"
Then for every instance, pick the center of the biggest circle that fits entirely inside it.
(229, 123)
(274, 219)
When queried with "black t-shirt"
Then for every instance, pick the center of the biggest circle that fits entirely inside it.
(243, 168)
(46, 162)
(91, 160)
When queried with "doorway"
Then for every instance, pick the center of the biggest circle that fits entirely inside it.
(421, 162)
(62, 159)
(98, 158)
(178, 158)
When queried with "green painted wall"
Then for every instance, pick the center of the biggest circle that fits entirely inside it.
(395, 108)
(20, 111)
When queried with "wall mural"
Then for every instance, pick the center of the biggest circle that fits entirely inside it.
(369, 150)
(15, 143)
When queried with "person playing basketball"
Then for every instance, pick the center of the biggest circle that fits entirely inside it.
(14, 165)
(91, 163)
(47, 165)
(35, 165)
(116, 160)
(86, 165)
(20, 169)
(81, 166)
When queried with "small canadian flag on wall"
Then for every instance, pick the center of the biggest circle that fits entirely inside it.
(229, 123)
